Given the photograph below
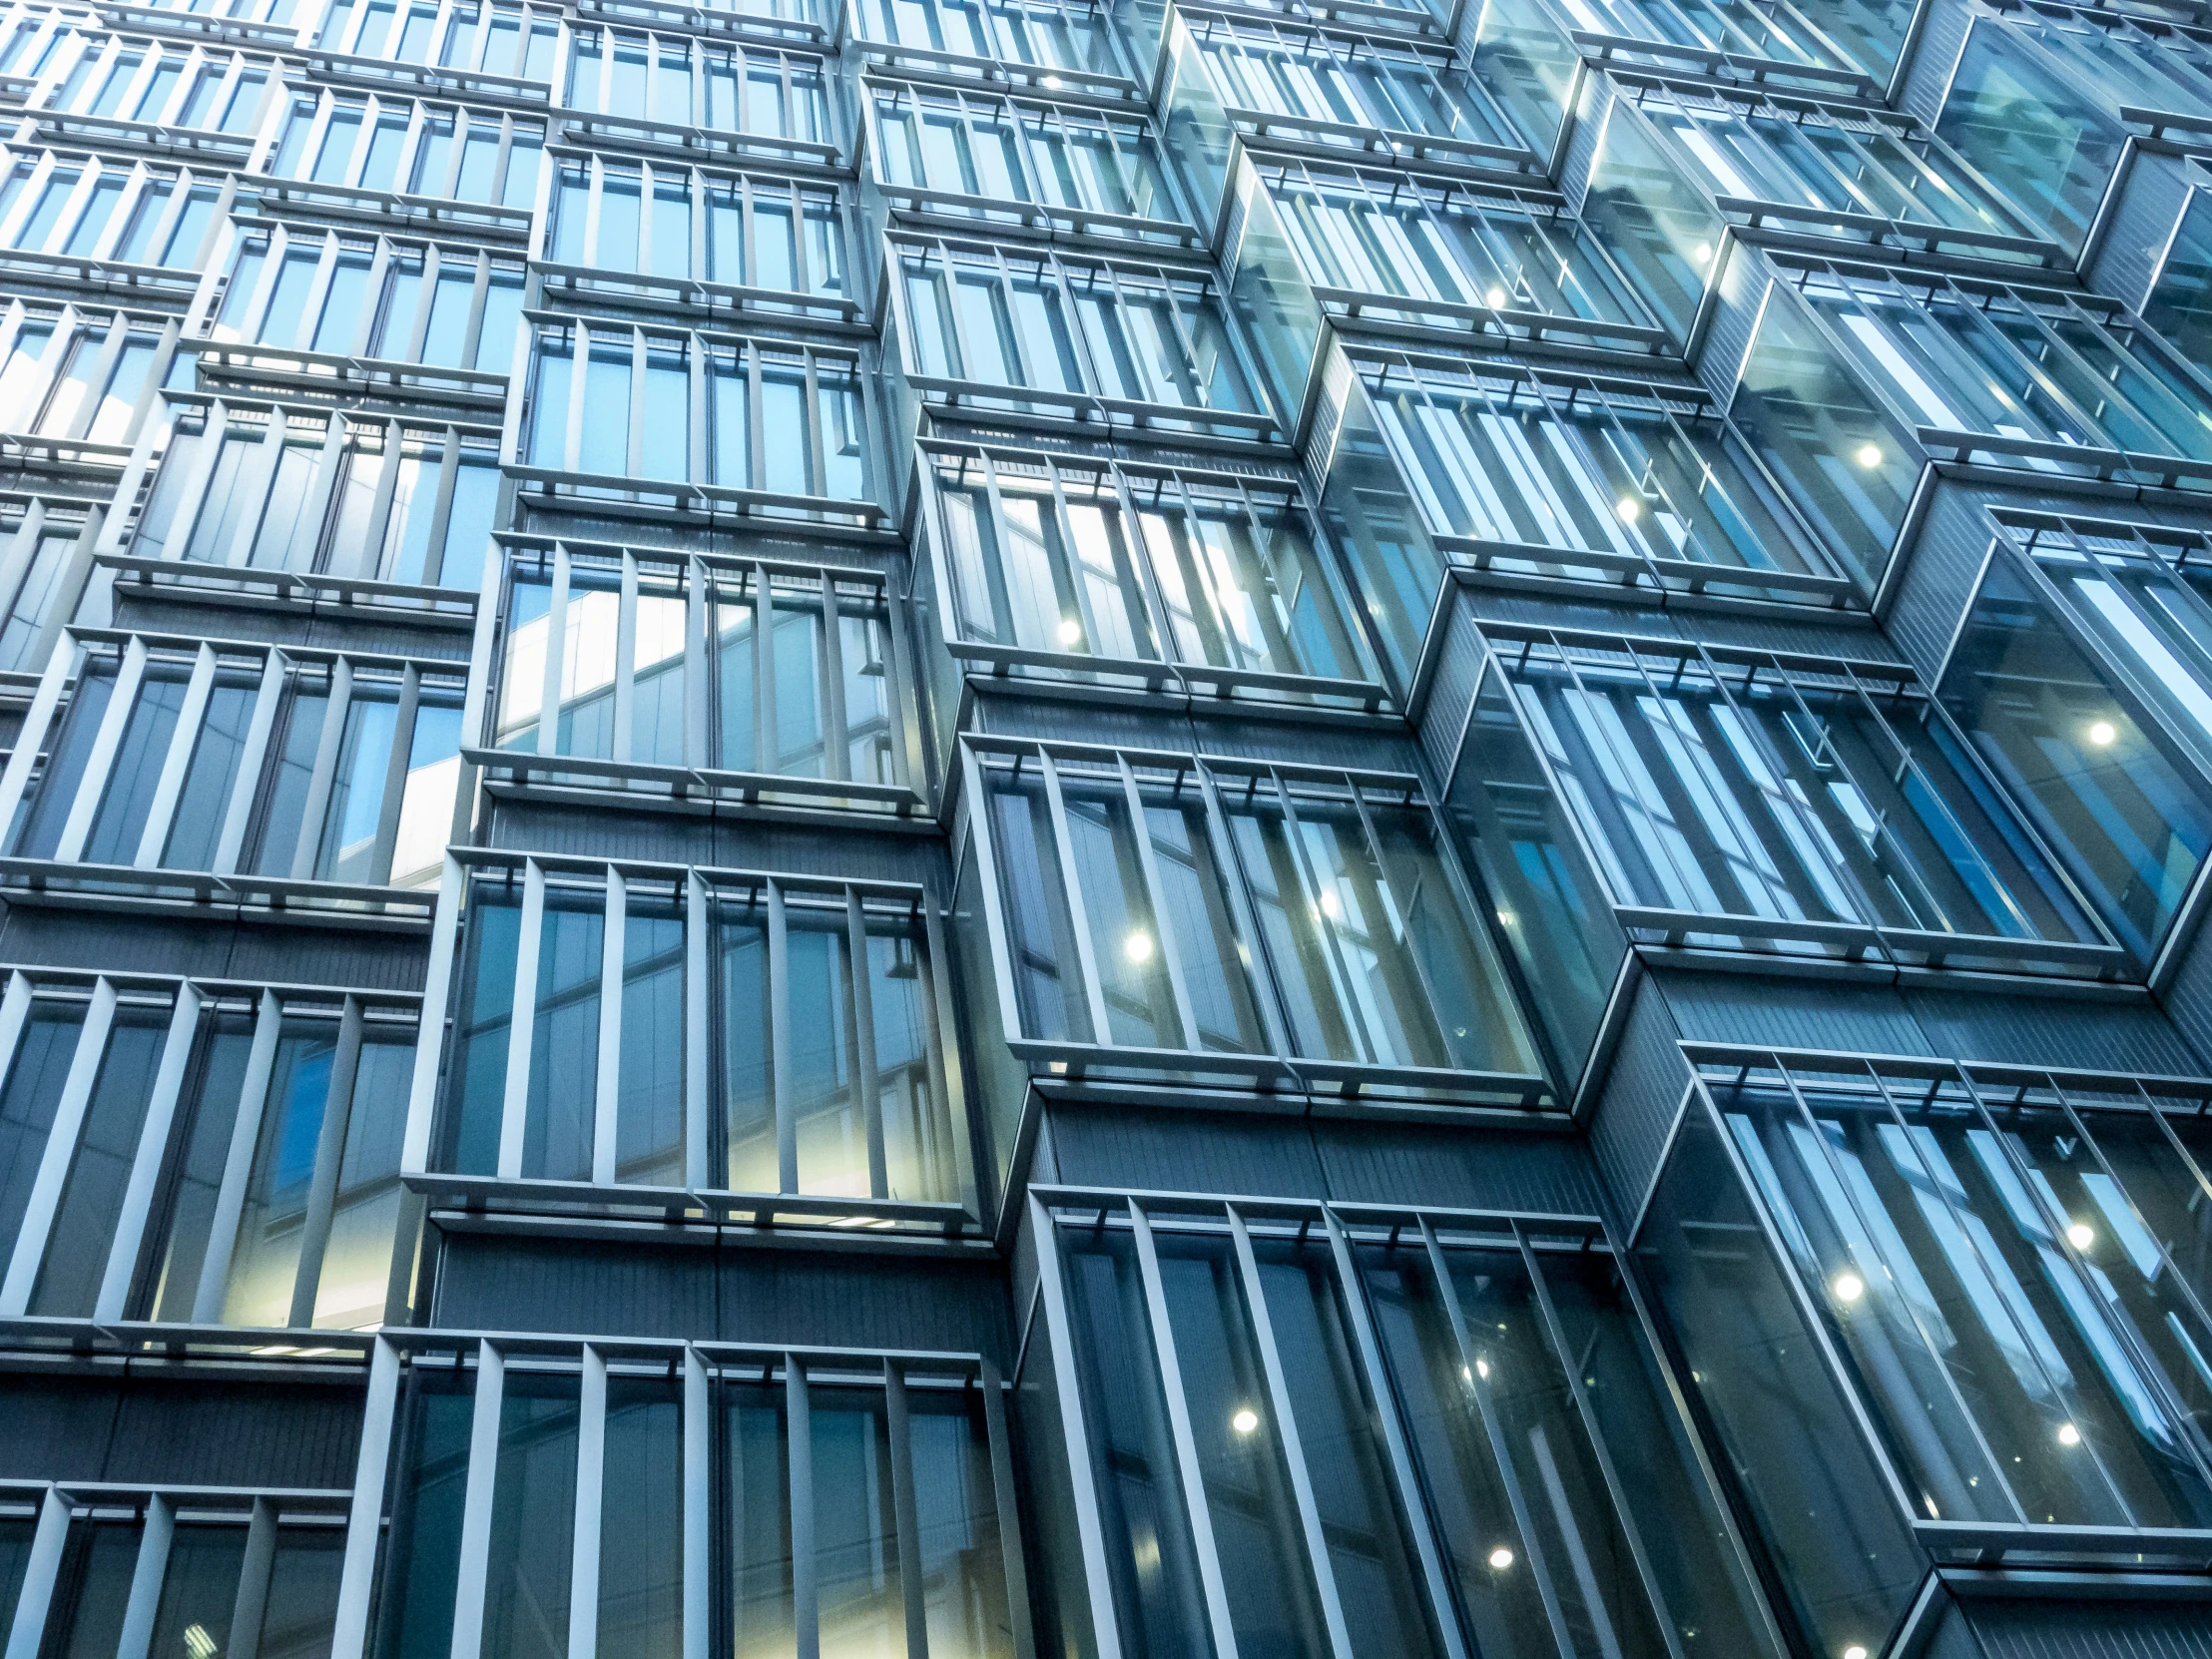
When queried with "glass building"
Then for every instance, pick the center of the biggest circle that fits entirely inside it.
(1105, 829)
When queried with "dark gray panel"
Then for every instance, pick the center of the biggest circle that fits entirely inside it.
(851, 1300)
(2095, 1630)
(2150, 202)
(51, 936)
(1728, 334)
(663, 838)
(327, 955)
(2051, 1031)
(1444, 712)
(1773, 1011)
(1175, 1150)
(504, 1284)
(1474, 1167)
(56, 1428)
(174, 1428)
(1574, 169)
(1943, 33)
(1636, 1107)
(1818, 633)
(2188, 998)
(1940, 564)
(1952, 1638)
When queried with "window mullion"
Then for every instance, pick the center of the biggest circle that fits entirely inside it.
(836, 738)
(1403, 1473)
(237, 816)
(1340, 978)
(607, 1097)
(521, 1026)
(556, 640)
(780, 1062)
(322, 1189)
(238, 1167)
(701, 664)
(766, 744)
(865, 1075)
(1287, 1436)
(1188, 1468)
(800, 1460)
(397, 772)
(1171, 954)
(905, 1518)
(100, 761)
(591, 1472)
(698, 1563)
(322, 780)
(474, 1564)
(37, 731)
(136, 1206)
(171, 783)
(1229, 860)
(698, 1015)
(60, 1151)
(626, 659)
(1079, 915)
(1474, 1371)
(41, 1568)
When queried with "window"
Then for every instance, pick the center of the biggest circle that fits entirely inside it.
(784, 429)
(2180, 302)
(750, 678)
(675, 90)
(768, 1046)
(1088, 341)
(39, 538)
(964, 154)
(317, 303)
(310, 774)
(1848, 173)
(1572, 478)
(845, 1499)
(219, 1566)
(699, 239)
(1809, 807)
(131, 79)
(1341, 91)
(80, 377)
(34, 37)
(1393, 1435)
(2032, 379)
(257, 486)
(200, 1152)
(1299, 926)
(1976, 1288)
(1464, 260)
(1125, 573)
(73, 215)
(398, 147)
(1644, 209)
(1034, 40)
(2080, 678)
(1850, 47)
(463, 39)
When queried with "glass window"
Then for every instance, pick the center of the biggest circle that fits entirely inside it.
(1228, 918)
(2013, 116)
(1645, 210)
(1296, 1420)
(1824, 810)
(2180, 302)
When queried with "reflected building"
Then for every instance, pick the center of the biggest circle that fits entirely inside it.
(1105, 829)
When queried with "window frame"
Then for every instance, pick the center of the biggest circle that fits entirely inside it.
(105, 331)
(829, 154)
(148, 132)
(98, 267)
(1008, 66)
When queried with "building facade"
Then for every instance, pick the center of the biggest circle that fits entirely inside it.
(1053, 830)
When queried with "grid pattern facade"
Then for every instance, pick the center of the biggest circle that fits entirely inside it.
(1105, 829)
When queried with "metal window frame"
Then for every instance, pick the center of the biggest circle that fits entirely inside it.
(1893, 947)
(1010, 63)
(857, 901)
(695, 1368)
(1893, 1086)
(799, 66)
(1342, 1228)
(1277, 1068)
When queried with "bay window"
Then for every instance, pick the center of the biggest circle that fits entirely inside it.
(39, 541)
(754, 101)
(1127, 573)
(80, 216)
(332, 142)
(1805, 807)
(1300, 928)
(721, 1042)
(293, 773)
(79, 380)
(750, 678)
(1035, 42)
(282, 487)
(439, 41)
(131, 86)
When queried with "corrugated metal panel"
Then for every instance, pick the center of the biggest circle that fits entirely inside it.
(56, 1428)
(1381, 745)
(1184, 1150)
(2099, 1630)
(235, 1434)
(2051, 1031)
(1943, 33)
(1471, 1168)
(328, 957)
(1444, 714)
(34, 934)
(1727, 336)
(1574, 169)
(1942, 562)
(851, 1300)
(1640, 615)
(1952, 1638)
(1628, 1129)
(2156, 190)
(1822, 633)
(578, 1289)
(659, 836)
(2188, 999)
(1772, 1009)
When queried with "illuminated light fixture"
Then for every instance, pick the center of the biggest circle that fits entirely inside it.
(1850, 1286)
(2069, 1435)
(1854, 1651)
(1051, 82)
(1630, 509)
(2103, 732)
(1496, 297)
(1071, 632)
(1246, 1421)
(1870, 456)
(1482, 1368)
(1704, 253)
(2081, 1235)
(1138, 946)
(1500, 1559)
